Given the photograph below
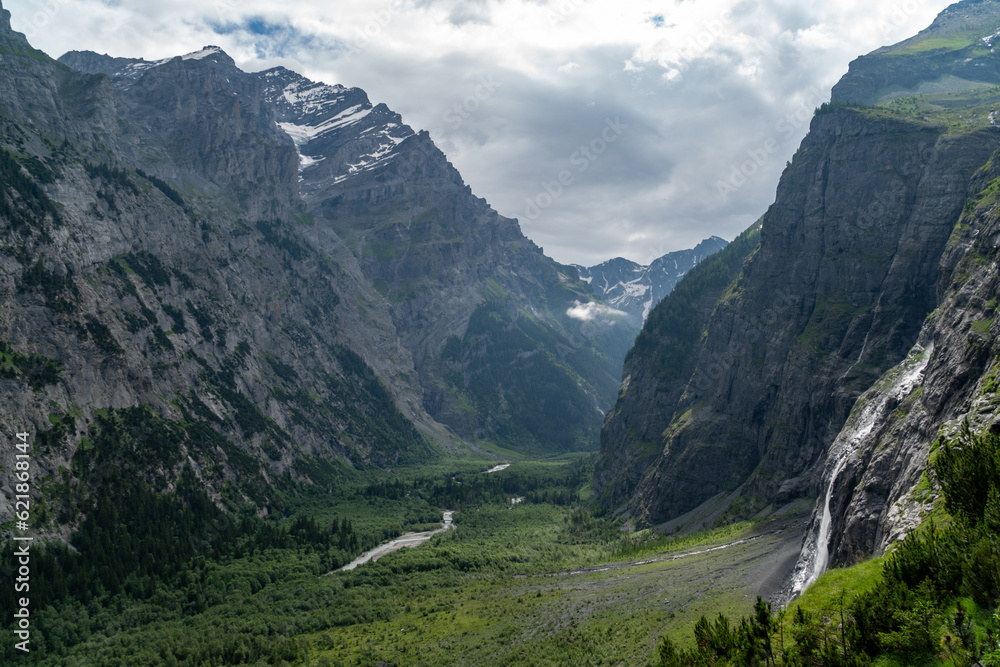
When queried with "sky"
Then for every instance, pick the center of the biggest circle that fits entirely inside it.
(608, 128)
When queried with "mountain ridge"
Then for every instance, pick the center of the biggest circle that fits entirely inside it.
(276, 313)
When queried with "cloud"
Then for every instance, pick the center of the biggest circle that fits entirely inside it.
(587, 312)
(713, 92)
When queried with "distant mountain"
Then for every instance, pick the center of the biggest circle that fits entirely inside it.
(635, 289)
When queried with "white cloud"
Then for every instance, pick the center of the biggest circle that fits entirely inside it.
(702, 85)
(587, 312)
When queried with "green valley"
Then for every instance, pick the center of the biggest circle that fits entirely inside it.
(548, 580)
(279, 389)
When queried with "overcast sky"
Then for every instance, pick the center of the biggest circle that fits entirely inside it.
(607, 127)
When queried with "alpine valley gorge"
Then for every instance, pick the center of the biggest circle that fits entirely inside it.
(257, 334)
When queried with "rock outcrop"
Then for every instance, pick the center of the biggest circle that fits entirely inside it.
(877, 487)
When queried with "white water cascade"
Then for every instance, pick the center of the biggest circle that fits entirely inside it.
(869, 410)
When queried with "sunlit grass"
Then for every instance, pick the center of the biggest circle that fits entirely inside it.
(951, 43)
(958, 111)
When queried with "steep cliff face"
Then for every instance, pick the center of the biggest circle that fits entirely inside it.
(876, 487)
(198, 117)
(861, 326)
(835, 295)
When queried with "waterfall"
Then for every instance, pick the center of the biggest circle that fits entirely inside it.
(869, 410)
(815, 553)
(822, 555)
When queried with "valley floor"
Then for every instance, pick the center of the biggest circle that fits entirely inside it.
(544, 581)
(607, 613)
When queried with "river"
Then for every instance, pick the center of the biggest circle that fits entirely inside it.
(404, 540)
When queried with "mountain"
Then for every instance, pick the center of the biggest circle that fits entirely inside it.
(161, 313)
(262, 283)
(635, 289)
(822, 360)
(954, 55)
(488, 319)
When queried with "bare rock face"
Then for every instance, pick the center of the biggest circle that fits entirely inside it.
(885, 486)
(208, 120)
(264, 281)
(836, 294)
(873, 263)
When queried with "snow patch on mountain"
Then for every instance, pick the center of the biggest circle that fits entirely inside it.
(333, 123)
(198, 55)
(309, 98)
(135, 69)
(303, 134)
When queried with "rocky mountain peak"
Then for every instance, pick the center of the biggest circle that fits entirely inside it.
(207, 119)
(635, 289)
(337, 131)
(131, 69)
